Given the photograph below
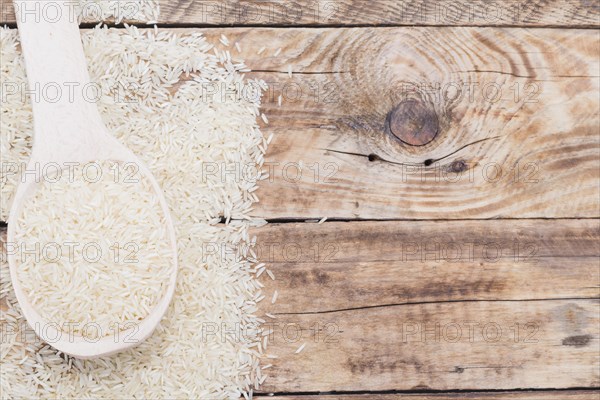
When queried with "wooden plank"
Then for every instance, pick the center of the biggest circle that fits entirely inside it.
(461, 345)
(519, 140)
(367, 264)
(563, 13)
(374, 321)
(544, 343)
(537, 395)
(533, 156)
(371, 353)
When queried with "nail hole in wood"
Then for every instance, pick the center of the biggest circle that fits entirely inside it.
(413, 122)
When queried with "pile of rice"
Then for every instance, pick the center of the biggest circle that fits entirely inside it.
(93, 250)
(178, 133)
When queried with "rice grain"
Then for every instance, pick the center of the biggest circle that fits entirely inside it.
(176, 132)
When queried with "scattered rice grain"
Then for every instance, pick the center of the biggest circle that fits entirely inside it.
(224, 40)
(300, 348)
(161, 128)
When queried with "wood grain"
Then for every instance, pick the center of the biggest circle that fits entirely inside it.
(563, 13)
(372, 320)
(383, 12)
(519, 140)
(534, 152)
(464, 345)
(541, 395)
(368, 264)
(362, 294)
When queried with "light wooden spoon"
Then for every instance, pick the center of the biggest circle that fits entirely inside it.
(67, 130)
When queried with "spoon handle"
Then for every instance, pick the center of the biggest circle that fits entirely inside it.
(66, 117)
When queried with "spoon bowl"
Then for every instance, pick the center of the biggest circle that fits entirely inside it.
(68, 130)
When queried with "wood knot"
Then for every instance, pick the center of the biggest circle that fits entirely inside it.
(458, 166)
(413, 123)
(458, 370)
(577, 341)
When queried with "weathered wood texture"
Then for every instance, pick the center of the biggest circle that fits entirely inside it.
(374, 321)
(382, 305)
(517, 114)
(541, 395)
(563, 13)
(368, 264)
(388, 305)
(444, 346)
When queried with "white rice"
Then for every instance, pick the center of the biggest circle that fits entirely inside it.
(299, 350)
(271, 275)
(224, 40)
(102, 254)
(178, 133)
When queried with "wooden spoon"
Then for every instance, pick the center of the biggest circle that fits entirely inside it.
(70, 129)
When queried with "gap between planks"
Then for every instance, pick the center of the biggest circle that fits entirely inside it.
(358, 13)
(522, 394)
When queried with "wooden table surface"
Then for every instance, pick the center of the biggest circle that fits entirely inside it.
(455, 149)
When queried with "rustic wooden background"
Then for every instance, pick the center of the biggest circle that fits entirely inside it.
(455, 148)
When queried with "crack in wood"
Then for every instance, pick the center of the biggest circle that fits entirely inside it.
(374, 157)
(460, 370)
(426, 391)
(300, 72)
(439, 302)
(433, 161)
(301, 220)
(533, 77)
